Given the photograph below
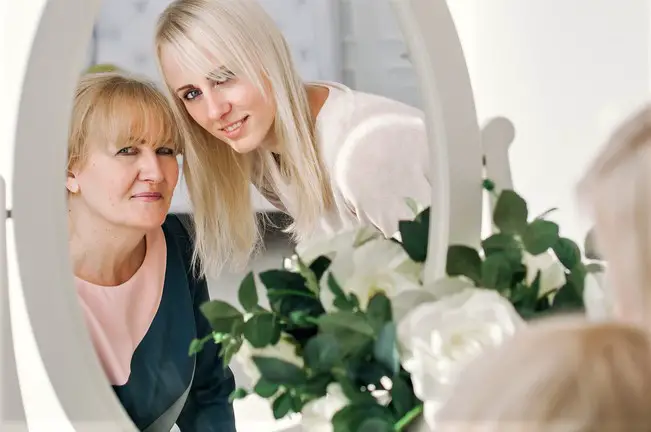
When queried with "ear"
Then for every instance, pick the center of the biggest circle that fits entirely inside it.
(71, 183)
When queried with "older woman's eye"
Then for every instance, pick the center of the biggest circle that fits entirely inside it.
(127, 151)
(166, 151)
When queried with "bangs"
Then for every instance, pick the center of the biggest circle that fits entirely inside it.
(215, 54)
(134, 114)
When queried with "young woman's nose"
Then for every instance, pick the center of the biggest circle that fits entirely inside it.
(217, 104)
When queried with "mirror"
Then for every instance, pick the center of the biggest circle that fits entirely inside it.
(430, 44)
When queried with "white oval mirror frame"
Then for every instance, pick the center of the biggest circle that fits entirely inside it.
(39, 207)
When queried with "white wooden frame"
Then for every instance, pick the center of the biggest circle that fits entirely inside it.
(59, 49)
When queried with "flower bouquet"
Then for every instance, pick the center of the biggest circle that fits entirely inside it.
(353, 340)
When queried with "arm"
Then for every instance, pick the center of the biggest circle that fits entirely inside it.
(379, 169)
(207, 408)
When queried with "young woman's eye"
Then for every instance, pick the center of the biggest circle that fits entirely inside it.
(127, 151)
(190, 95)
(166, 151)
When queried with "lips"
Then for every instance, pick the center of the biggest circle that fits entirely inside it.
(148, 195)
(231, 127)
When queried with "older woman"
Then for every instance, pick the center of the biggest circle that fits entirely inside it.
(132, 262)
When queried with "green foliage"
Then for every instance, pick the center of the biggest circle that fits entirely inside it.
(354, 344)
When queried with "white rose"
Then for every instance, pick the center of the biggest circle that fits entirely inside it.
(438, 339)
(377, 266)
(406, 301)
(283, 350)
(552, 272)
(330, 245)
(317, 414)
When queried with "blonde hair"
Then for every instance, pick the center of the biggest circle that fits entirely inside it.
(114, 107)
(616, 188)
(243, 38)
(560, 375)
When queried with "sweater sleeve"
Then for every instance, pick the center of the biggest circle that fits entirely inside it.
(207, 408)
(382, 163)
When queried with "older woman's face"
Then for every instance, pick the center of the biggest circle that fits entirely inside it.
(129, 185)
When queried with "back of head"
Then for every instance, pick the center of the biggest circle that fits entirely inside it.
(616, 188)
(558, 375)
(114, 107)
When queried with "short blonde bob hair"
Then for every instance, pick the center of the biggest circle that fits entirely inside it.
(243, 38)
(115, 107)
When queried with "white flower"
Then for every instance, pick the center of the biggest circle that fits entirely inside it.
(283, 350)
(377, 266)
(598, 304)
(438, 339)
(330, 245)
(552, 272)
(317, 414)
(406, 301)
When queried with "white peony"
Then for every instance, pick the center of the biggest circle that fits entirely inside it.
(283, 350)
(552, 272)
(317, 414)
(438, 339)
(377, 266)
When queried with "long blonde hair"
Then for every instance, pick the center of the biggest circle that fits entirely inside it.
(561, 374)
(244, 39)
(616, 189)
(113, 107)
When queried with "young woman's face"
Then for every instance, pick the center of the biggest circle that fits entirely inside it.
(231, 108)
(127, 185)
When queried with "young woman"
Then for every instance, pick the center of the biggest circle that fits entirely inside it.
(131, 260)
(330, 157)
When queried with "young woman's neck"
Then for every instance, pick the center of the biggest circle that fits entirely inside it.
(103, 254)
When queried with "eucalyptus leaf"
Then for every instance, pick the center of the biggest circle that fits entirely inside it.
(496, 272)
(402, 396)
(464, 261)
(221, 315)
(282, 405)
(567, 252)
(345, 320)
(415, 235)
(511, 212)
(276, 371)
(262, 330)
(239, 393)
(539, 236)
(265, 389)
(379, 310)
(247, 294)
(322, 352)
(385, 349)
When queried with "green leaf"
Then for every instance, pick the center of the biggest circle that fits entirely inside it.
(496, 272)
(317, 385)
(262, 330)
(500, 242)
(247, 294)
(568, 299)
(265, 389)
(567, 252)
(385, 349)
(239, 393)
(379, 311)
(282, 405)
(511, 213)
(320, 265)
(322, 352)
(197, 344)
(345, 320)
(230, 347)
(276, 371)
(539, 236)
(353, 416)
(353, 392)
(463, 261)
(311, 281)
(402, 396)
(376, 425)
(415, 236)
(221, 315)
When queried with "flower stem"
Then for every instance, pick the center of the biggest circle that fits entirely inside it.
(408, 418)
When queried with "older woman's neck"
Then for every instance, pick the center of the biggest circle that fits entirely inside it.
(105, 255)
